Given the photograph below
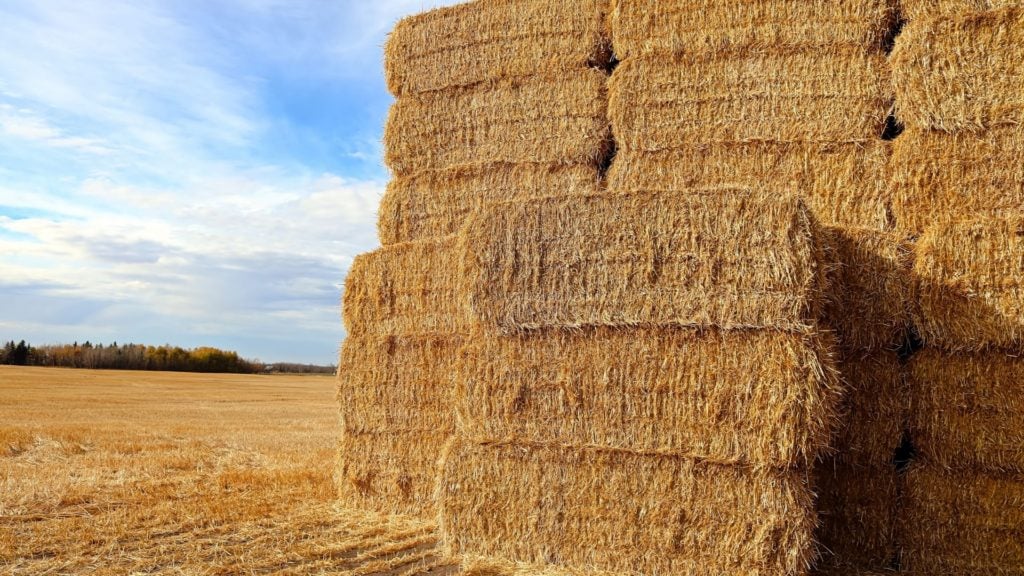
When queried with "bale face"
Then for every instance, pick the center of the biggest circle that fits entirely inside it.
(759, 398)
(857, 509)
(710, 258)
(843, 184)
(490, 40)
(606, 510)
(968, 410)
(871, 288)
(961, 73)
(663, 102)
(939, 176)
(405, 290)
(962, 523)
(922, 9)
(434, 204)
(875, 410)
(969, 284)
(646, 26)
(540, 119)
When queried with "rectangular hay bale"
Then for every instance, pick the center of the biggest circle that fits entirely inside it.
(923, 9)
(969, 284)
(961, 73)
(941, 176)
(843, 184)
(620, 512)
(968, 409)
(874, 409)
(698, 258)
(761, 398)
(541, 119)
(837, 95)
(857, 507)
(659, 26)
(437, 203)
(489, 40)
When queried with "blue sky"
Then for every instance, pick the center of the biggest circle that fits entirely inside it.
(194, 172)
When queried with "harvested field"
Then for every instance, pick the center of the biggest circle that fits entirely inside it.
(490, 40)
(621, 512)
(921, 9)
(666, 102)
(857, 508)
(969, 276)
(843, 184)
(967, 409)
(961, 73)
(645, 26)
(759, 398)
(711, 258)
(541, 119)
(940, 176)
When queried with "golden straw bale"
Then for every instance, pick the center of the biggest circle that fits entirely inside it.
(843, 184)
(919, 9)
(968, 410)
(437, 203)
(406, 289)
(708, 258)
(541, 119)
(875, 409)
(645, 26)
(487, 566)
(836, 95)
(871, 288)
(968, 524)
(763, 398)
(857, 508)
(390, 472)
(397, 383)
(941, 176)
(969, 276)
(490, 40)
(621, 512)
(961, 73)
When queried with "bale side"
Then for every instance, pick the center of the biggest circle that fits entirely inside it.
(871, 298)
(961, 73)
(967, 524)
(645, 26)
(541, 119)
(707, 258)
(968, 411)
(390, 472)
(661, 102)
(761, 398)
(874, 410)
(969, 284)
(434, 204)
(938, 176)
(923, 9)
(857, 507)
(405, 290)
(488, 40)
(606, 510)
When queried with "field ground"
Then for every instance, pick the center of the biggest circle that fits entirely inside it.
(106, 472)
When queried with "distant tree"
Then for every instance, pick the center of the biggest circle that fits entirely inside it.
(21, 353)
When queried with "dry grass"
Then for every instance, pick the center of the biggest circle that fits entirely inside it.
(917, 9)
(160, 473)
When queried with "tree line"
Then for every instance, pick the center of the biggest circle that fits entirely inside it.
(116, 356)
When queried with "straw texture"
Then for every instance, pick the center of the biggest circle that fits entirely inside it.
(920, 9)
(761, 398)
(843, 184)
(434, 204)
(875, 410)
(713, 258)
(961, 73)
(613, 511)
(539, 119)
(857, 509)
(836, 95)
(969, 284)
(939, 176)
(489, 40)
(405, 290)
(968, 410)
(644, 26)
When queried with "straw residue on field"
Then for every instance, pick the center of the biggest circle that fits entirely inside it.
(721, 258)
(491, 40)
(758, 398)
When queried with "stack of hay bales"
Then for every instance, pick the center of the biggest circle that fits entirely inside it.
(957, 71)
(646, 387)
(496, 100)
